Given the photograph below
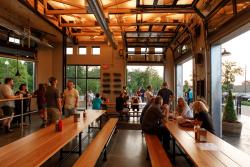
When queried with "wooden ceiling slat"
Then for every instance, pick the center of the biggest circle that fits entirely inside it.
(67, 3)
(66, 11)
(114, 3)
(120, 24)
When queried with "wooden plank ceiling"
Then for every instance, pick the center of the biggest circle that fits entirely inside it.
(137, 23)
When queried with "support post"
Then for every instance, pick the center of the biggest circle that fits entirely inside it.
(64, 57)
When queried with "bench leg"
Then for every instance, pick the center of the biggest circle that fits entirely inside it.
(61, 154)
(105, 154)
(147, 157)
(89, 129)
(173, 150)
(100, 126)
(80, 144)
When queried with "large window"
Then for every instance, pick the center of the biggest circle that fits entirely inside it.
(8, 68)
(139, 77)
(87, 81)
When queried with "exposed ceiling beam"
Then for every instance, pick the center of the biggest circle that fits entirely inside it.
(121, 24)
(165, 6)
(92, 34)
(217, 8)
(65, 11)
(150, 10)
(100, 17)
(175, 2)
(67, 3)
(163, 28)
(168, 37)
(194, 3)
(155, 3)
(114, 3)
(120, 11)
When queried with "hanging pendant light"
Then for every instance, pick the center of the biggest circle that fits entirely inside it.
(17, 72)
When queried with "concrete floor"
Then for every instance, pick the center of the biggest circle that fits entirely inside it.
(127, 147)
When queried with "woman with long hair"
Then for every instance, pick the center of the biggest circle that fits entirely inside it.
(183, 109)
(201, 114)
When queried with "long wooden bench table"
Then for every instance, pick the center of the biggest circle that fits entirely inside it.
(158, 156)
(38, 147)
(220, 152)
(96, 147)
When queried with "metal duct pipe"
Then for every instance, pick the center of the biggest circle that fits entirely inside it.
(99, 15)
(19, 31)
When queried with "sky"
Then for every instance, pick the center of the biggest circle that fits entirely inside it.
(188, 71)
(239, 47)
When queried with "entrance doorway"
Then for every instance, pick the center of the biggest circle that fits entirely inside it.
(184, 80)
(139, 77)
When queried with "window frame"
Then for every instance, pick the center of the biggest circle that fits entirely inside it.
(97, 47)
(68, 47)
(82, 47)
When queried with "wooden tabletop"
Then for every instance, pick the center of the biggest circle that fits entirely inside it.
(224, 155)
(36, 148)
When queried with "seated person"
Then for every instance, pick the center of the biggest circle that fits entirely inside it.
(146, 108)
(201, 114)
(135, 103)
(104, 105)
(183, 109)
(121, 105)
(97, 102)
(151, 122)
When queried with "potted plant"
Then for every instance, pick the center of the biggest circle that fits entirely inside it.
(230, 124)
(229, 121)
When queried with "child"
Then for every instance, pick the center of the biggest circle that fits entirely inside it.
(97, 102)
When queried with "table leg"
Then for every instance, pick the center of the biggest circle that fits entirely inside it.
(100, 126)
(89, 129)
(173, 149)
(61, 154)
(80, 143)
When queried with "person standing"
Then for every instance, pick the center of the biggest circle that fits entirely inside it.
(149, 93)
(165, 93)
(41, 103)
(142, 90)
(53, 100)
(24, 93)
(6, 92)
(70, 99)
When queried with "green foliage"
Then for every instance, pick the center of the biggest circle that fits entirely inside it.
(185, 86)
(9, 70)
(79, 74)
(229, 71)
(138, 78)
(245, 103)
(229, 114)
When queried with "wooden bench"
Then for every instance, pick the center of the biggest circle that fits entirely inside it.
(156, 152)
(38, 147)
(97, 146)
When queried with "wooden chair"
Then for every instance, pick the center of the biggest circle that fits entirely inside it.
(157, 154)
